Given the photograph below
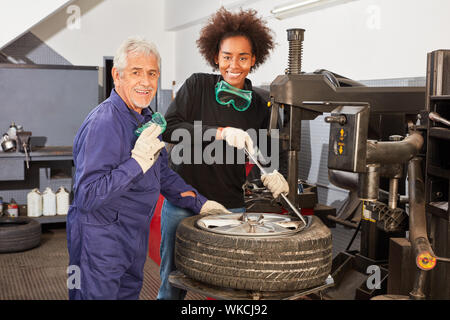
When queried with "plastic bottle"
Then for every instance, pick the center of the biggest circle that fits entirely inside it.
(34, 203)
(62, 201)
(12, 131)
(49, 202)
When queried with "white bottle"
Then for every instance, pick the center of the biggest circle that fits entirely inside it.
(34, 203)
(62, 201)
(12, 131)
(49, 202)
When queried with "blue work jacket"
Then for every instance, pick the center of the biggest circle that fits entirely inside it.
(109, 185)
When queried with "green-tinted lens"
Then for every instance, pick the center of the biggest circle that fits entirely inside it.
(158, 119)
(237, 101)
(227, 94)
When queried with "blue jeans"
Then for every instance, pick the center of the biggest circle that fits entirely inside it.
(171, 216)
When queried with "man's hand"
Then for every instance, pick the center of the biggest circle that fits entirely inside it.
(235, 137)
(276, 183)
(213, 207)
(147, 147)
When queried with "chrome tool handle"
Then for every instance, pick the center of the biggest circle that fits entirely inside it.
(437, 118)
(263, 171)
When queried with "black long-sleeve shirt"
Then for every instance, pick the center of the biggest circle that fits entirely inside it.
(195, 101)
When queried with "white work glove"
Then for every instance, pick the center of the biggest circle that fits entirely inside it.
(237, 138)
(213, 207)
(147, 147)
(276, 183)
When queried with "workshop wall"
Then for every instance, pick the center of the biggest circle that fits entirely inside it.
(381, 41)
(16, 16)
(360, 39)
(102, 26)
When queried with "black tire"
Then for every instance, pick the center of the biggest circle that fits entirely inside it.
(283, 263)
(19, 234)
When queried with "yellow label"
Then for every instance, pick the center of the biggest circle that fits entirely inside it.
(366, 214)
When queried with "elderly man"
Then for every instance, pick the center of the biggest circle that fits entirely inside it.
(118, 180)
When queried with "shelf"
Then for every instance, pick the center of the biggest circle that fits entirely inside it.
(438, 98)
(440, 133)
(438, 172)
(439, 209)
(42, 154)
(51, 219)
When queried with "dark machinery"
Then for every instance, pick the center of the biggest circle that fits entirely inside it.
(376, 141)
(374, 137)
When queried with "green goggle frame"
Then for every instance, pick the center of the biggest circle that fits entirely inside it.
(157, 118)
(227, 94)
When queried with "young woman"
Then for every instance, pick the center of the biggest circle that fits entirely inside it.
(222, 106)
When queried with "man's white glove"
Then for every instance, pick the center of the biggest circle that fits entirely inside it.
(213, 207)
(237, 138)
(147, 147)
(276, 183)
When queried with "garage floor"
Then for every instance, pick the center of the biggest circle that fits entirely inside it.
(40, 273)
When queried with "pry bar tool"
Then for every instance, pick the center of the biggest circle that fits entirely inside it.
(263, 171)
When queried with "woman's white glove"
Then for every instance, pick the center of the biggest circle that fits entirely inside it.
(147, 147)
(213, 207)
(237, 138)
(276, 183)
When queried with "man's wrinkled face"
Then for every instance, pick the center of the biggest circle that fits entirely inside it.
(138, 82)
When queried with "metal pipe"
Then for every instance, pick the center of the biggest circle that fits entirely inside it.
(369, 183)
(419, 285)
(350, 180)
(418, 225)
(416, 193)
(391, 171)
(343, 179)
(393, 191)
(394, 151)
(342, 222)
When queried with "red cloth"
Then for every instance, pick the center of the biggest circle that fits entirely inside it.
(155, 232)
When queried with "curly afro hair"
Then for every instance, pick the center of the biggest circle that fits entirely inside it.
(225, 24)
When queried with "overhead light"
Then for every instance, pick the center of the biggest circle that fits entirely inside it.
(292, 6)
(300, 6)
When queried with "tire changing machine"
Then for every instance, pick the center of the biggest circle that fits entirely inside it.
(376, 141)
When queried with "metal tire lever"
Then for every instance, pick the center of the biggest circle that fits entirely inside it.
(263, 171)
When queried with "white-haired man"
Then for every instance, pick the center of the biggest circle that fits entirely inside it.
(118, 180)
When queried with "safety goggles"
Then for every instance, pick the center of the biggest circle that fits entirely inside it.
(157, 118)
(227, 94)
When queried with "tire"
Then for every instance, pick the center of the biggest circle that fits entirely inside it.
(255, 263)
(19, 234)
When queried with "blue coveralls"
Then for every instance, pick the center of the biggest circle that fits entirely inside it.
(108, 223)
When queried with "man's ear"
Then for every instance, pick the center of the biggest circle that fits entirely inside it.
(115, 75)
